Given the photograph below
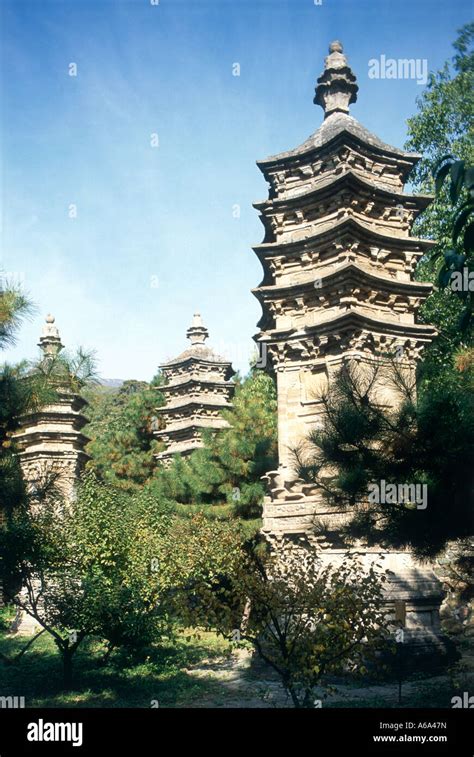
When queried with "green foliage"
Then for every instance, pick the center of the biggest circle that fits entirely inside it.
(15, 398)
(7, 616)
(67, 371)
(114, 537)
(164, 674)
(89, 561)
(225, 473)
(110, 564)
(23, 389)
(229, 466)
(426, 438)
(160, 674)
(304, 619)
(120, 426)
(457, 266)
(14, 307)
(443, 126)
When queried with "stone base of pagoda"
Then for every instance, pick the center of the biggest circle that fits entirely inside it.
(296, 513)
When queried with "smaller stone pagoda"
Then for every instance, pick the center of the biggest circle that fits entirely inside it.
(198, 388)
(50, 439)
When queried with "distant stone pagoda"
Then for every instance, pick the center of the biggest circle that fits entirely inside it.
(50, 439)
(198, 388)
(338, 263)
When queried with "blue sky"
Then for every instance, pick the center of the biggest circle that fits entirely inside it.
(156, 237)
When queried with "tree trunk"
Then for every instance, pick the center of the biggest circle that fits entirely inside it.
(293, 695)
(67, 669)
(105, 658)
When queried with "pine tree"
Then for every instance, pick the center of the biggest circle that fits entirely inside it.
(426, 440)
(228, 468)
(122, 446)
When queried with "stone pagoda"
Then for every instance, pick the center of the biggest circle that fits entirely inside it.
(50, 439)
(198, 388)
(338, 263)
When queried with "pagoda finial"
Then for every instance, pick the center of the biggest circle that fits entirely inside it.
(337, 86)
(197, 332)
(50, 341)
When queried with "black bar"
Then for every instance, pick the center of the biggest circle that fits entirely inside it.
(221, 731)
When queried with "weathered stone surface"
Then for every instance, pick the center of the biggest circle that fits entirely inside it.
(50, 440)
(338, 263)
(338, 259)
(198, 389)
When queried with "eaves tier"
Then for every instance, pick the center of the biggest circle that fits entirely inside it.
(50, 438)
(337, 255)
(56, 427)
(198, 388)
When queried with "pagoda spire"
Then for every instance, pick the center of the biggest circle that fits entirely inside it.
(50, 341)
(197, 332)
(337, 86)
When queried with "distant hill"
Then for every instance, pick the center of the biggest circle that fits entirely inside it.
(112, 383)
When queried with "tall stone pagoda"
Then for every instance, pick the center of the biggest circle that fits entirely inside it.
(198, 388)
(50, 439)
(338, 263)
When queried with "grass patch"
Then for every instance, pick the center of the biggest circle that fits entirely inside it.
(163, 674)
(159, 675)
(7, 616)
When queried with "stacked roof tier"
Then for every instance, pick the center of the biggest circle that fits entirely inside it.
(337, 256)
(50, 439)
(198, 388)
